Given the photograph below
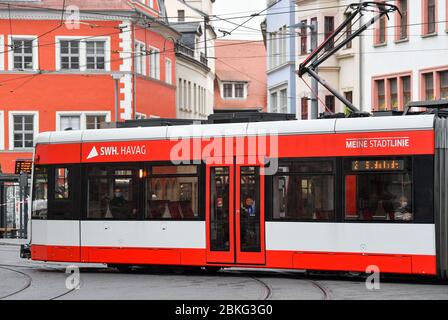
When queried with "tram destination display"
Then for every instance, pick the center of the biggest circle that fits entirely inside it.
(377, 165)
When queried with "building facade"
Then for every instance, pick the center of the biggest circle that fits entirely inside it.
(240, 75)
(59, 68)
(406, 57)
(281, 56)
(195, 72)
(342, 71)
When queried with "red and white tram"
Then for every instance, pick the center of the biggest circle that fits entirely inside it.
(331, 194)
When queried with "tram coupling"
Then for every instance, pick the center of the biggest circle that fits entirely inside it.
(25, 251)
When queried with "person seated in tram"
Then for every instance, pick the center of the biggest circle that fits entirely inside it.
(403, 211)
(119, 206)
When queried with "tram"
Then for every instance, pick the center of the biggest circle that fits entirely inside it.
(330, 194)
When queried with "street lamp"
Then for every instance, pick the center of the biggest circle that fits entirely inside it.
(314, 84)
(117, 77)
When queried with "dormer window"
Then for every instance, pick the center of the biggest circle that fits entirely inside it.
(234, 90)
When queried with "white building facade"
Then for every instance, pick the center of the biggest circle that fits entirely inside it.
(406, 58)
(195, 72)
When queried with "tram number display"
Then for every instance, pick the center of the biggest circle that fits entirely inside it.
(377, 165)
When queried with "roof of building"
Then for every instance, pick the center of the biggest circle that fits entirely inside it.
(194, 27)
(245, 61)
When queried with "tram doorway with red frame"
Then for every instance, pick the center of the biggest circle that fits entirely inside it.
(235, 216)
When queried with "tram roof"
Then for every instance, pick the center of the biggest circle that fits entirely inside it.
(322, 126)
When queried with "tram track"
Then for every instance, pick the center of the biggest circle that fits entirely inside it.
(267, 287)
(28, 282)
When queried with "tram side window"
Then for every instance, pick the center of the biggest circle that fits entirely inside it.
(61, 198)
(378, 189)
(172, 193)
(304, 191)
(54, 195)
(112, 193)
(40, 193)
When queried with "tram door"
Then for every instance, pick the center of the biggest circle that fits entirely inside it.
(235, 213)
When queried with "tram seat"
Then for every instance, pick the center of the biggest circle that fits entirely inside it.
(175, 210)
(157, 208)
(186, 210)
(323, 215)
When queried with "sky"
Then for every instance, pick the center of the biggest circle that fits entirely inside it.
(237, 8)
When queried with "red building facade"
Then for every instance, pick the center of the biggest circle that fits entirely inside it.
(59, 68)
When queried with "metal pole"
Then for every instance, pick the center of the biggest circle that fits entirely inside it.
(21, 189)
(26, 206)
(2, 208)
(314, 98)
(324, 83)
(116, 101)
(314, 84)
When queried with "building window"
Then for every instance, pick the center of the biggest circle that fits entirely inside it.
(393, 89)
(189, 96)
(304, 191)
(180, 104)
(70, 122)
(274, 102)
(185, 95)
(273, 48)
(277, 47)
(96, 55)
(23, 131)
(392, 92)
(381, 95)
(434, 84)
(234, 90)
(349, 96)
(23, 54)
(94, 121)
(406, 85)
(330, 103)
(382, 31)
(444, 85)
(195, 99)
(284, 101)
(304, 107)
(228, 90)
(329, 29)
(140, 58)
(429, 86)
(80, 54)
(403, 20)
(431, 16)
(348, 31)
(303, 38)
(180, 15)
(70, 55)
(239, 90)
(314, 33)
(155, 64)
(168, 71)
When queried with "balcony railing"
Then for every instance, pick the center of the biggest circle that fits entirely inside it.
(203, 59)
(185, 50)
(190, 52)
